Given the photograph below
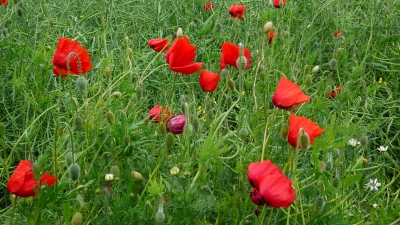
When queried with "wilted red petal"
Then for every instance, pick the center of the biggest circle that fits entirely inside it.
(237, 11)
(271, 37)
(277, 191)
(158, 112)
(310, 128)
(208, 80)
(181, 55)
(337, 33)
(230, 54)
(64, 48)
(288, 94)
(208, 6)
(159, 44)
(257, 170)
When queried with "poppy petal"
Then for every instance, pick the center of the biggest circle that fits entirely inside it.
(288, 94)
(208, 80)
(310, 128)
(188, 69)
(18, 177)
(47, 179)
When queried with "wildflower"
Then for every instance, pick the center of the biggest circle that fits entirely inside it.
(230, 55)
(109, 177)
(353, 142)
(181, 55)
(158, 111)
(375, 205)
(208, 80)
(22, 182)
(208, 6)
(383, 148)
(296, 123)
(174, 171)
(76, 54)
(365, 160)
(257, 169)
(279, 3)
(380, 80)
(337, 33)
(237, 11)
(176, 124)
(373, 184)
(335, 91)
(4, 2)
(288, 94)
(271, 37)
(159, 44)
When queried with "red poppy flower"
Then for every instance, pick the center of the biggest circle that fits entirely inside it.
(288, 94)
(23, 184)
(276, 190)
(158, 111)
(310, 128)
(237, 11)
(3, 2)
(337, 33)
(159, 44)
(208, 80)
(230, 54)
(279, 3)
(208, 6)
(256, 197)
(64, 48)
(181, 55)
(334, 92)
(176, 124)
(257, 170)
(271, 37)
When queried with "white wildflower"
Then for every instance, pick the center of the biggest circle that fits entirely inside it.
(383, 148)
(175, 170)
(373, 184)
(353, 142)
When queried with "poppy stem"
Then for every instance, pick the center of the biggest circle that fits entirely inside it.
(173, 91)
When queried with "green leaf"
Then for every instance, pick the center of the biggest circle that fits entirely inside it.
(348, 181)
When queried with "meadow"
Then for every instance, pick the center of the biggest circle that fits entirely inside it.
(252, 112)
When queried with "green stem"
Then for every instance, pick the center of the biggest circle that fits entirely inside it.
(195, 177)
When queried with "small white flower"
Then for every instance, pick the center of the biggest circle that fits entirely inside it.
(353, 142)
(109, 177)
(383, 148)
(375, 205)
(373, 184)
(175, 170)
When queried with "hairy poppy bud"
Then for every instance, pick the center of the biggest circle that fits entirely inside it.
(77, 219)
(74, 102)
(107, 72)
(74, 171)
(364, 140)
(225, 73)
(129, 53)
(184, 106)
(284, 131)
(78, 123)
(138, 92)
(319, 204)
(81, 84)
(127, 140)
(196, 124)
(100, 103)
(116, 172)
(333, 63)
(308, 80)
(2, 130)
(19, 12)
(160, 216)
(169, 141)
(60, 130)
(231, 84)
(243, 133)
(328, 91)
(268, 27)
(69, 158)
(127, 41)
(110, 117)
(329, 166)
(137, 176)
(179, 33)
(241, 63)
(116, 94)
(315, 69)
(314, 100)
(307, 68)
(336, 181)
(229, 101)
(321, 166)
(304, 139)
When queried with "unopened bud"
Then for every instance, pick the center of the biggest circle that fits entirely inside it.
(127, 41)
(81, 84)
(364, 140)
(210, 115)
(74, 171)
(319, 204)
(329, 166)
(60, 130)
(51, 22)
(78, 123)
(68, 23)
(308, 80)
(19, 12)
(336, 181)
(184, 106)
(110, 117)
(77, 219)
(363, 101)
(307, 68)
(243, 133)
(231, 84)
(127, 140)
(304, 139)
(333, 63)
(314, 100)
(268, 27)
(116, 94)
(229, 101)
(115, 171)
(315, 69)
(328, 91)
(241, 63)
(225, 73)
(160, 216)
(69, 158)
(137, 176)
(321, 166)
(74, 102)
(107, 72)
(179, 33)
(129, 53)
(138, 93)
(196, 124)
(284, 131)
(100, 103)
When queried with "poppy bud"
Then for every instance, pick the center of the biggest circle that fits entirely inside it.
(2, 130)
(241, 63)
(225, 73)
(169, 141)
(307, 68)
(315, 69)
(137, 176)
(69, 158)
(74, 171)
(77, 219)
(308, 80)
(196, 124)
(161, 128)
(333, 63)
(116, 94)
(314, 100)
(364, 140)
(268, 27)
(110, 117)
(328, 91)
(81, 84)
(100, 103)
(319, 204)
(363, 101)
(336, 181)
(127, 41)
(138, 92)
(78, 123)
(243, 133)
(127, 140)
(115, 171)
(179, 33)
(329, 166)
(160, 216)
(337, 151)
(184, 106)
(107, 72)
(304, 139)
(229, 101)
(210, 114)
(284, 131)
(129, 53)
(231, 84)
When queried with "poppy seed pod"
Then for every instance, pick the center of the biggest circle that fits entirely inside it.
(74, 171)
(107, 72)
(328, 91)
(160, 216)
(110, 117)
(81, 84)
(77, 219)
(179, 33)
(308, 80)
(268, 27)
(115, 171)
(78, 123)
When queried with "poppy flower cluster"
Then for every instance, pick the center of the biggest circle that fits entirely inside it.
(270, 186)
(288, 94)
(237, 11)
(230, 55)
(181, 55)
(174, 124)
(3, 2)
(309, 127)
(208, 6)
(22, 182)
(78, 57)
(159, 44)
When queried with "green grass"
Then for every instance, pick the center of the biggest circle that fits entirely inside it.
(212, 186)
